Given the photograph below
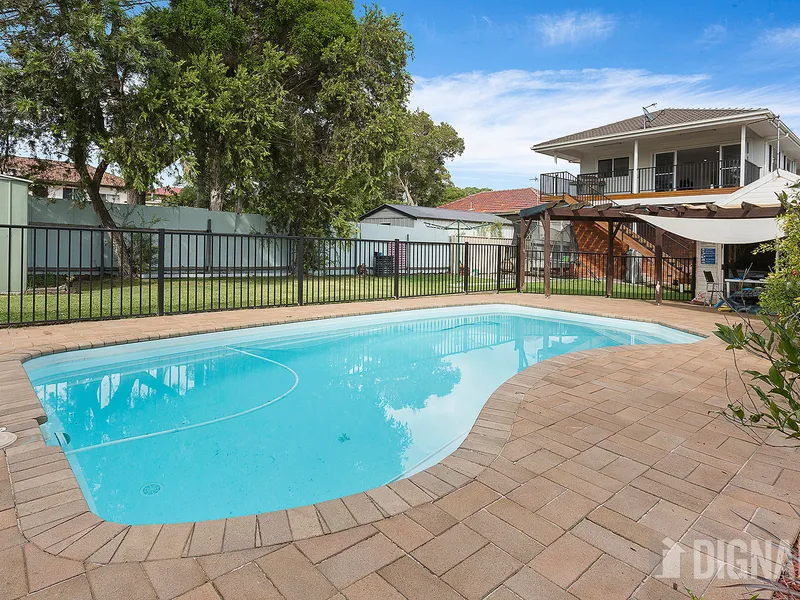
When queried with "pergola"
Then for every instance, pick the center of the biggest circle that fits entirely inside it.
(614, 216)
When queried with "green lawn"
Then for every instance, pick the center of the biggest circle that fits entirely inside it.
(593, 287)
(198, 294)
(113, 299)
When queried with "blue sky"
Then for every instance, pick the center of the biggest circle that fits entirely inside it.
(510, 73)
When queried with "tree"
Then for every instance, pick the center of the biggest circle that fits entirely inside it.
(772, 400)
(424, 148)
(67, 73)
(453, 192)
(783, 283)
(345, 96)
(229, 91)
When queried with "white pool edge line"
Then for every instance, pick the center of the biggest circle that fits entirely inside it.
(197, 342)
(204, 423)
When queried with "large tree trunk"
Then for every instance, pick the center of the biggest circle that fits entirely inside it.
(91, 185)
(121, 249)
(135, 197)
(409, 199)
(215, 198)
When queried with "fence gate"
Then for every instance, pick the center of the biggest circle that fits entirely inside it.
(635, 276)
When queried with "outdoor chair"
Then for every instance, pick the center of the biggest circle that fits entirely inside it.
(746, 300)
(712, 287)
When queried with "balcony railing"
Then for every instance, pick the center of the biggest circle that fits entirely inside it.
(566, 184)
(669, 178)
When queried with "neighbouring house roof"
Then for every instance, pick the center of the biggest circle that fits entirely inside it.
(438, 214)
(662, 119)
(167, 191)
(54, 172)
(498, 202)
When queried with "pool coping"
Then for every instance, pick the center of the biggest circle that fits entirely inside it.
(56, 521)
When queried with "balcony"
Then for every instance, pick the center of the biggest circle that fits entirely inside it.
(670, 178)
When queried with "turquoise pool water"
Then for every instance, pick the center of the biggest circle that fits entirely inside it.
(237, 423)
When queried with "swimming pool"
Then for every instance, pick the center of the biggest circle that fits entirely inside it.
(249, 421)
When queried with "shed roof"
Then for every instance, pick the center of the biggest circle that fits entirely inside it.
(439, 214)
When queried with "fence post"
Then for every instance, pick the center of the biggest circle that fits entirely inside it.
(396, 268)
(102, 254)
(499, 266)
(161, 243)
(610, 260)
(547, 258)
(208, 249)
(466, 267)
(659, 258)
(299, 264)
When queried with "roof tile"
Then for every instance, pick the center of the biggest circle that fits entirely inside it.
(662, 118)
(52, 171)
(498, 202)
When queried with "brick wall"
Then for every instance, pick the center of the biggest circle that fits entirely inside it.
(591, 238)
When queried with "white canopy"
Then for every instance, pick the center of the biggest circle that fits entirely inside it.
(762, 192)
(719, 231)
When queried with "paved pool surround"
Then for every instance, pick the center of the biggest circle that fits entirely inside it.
(575, 473)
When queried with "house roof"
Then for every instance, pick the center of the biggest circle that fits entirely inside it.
(167, 191)
(52, 171)
(438, 214)
(664, 118)
(498, 202)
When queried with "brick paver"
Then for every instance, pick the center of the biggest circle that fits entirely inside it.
(579, 475)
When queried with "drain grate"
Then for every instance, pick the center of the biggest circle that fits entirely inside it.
(150, 489)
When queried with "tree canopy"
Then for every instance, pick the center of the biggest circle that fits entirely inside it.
(453, 192)
(297, 109)
(67, 72)
(420, 176)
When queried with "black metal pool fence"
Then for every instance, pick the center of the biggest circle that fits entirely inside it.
(55, 274)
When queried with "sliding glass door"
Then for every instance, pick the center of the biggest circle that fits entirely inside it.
(665, 172)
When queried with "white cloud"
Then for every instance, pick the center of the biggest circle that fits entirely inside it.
(572, 27)
(501, 115)
(714, 34)
(781, 38)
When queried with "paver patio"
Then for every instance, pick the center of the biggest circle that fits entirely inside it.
(580, 473)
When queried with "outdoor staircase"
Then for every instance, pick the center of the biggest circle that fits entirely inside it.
(593, 237)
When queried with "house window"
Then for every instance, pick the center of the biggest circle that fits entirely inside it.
(74, 194)
(610, 167)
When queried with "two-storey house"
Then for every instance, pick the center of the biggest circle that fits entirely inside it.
(674, 155)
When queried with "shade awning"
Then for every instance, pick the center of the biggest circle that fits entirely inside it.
(720, 231)
(763, 191)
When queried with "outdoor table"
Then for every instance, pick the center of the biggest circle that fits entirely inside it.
(741, 283)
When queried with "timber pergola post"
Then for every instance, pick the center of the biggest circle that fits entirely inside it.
(547, 273)
(659, 259)
(522, 259)
(610, 260)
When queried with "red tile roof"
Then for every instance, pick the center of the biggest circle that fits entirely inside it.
(499, 202)
(52, 171)
(167, 191)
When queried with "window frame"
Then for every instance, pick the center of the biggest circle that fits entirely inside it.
(615, 171)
